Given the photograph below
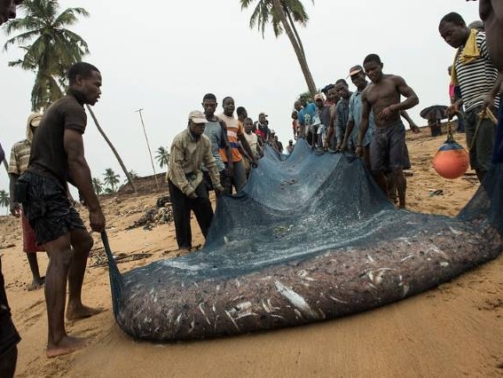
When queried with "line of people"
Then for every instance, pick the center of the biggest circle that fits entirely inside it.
(58, 157)
(215, 152)
(366, 122)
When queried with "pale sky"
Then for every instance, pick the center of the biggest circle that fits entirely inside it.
(164, 56)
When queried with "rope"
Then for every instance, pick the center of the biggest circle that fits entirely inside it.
(484, 114)
(450, 135)
(116, 280)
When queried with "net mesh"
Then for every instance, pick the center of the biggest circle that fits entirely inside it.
(291, 211)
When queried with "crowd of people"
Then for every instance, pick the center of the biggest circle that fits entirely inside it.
(217, 151)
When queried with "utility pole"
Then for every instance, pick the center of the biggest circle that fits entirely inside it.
(148, 145)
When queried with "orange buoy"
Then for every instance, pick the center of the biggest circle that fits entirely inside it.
(451, 160)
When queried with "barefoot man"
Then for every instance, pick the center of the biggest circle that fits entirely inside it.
(57, 158)
(388, 144)
(19, 158)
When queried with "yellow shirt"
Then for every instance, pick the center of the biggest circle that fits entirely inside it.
(19, 157)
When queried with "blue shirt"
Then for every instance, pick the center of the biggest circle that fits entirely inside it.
(214, 132)
(306, 114)
(355, 115)
(342, 119)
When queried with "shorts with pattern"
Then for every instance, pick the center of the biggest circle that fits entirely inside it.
(48, 209)
(387, 148)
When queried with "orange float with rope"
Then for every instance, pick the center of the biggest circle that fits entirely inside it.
(451, 160)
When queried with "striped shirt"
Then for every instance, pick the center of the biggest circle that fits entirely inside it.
(19, 157)
(234, 131)
(478, 77)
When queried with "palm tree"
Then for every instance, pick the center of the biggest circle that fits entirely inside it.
(97, 185)
(117, 156)
(133, 175)
(52, 52)
(49, 47)
(283, 14)
(308, 96)
(162, 156)
(4, 200)
(111, 178)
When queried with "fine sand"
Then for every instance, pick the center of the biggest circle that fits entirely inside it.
(455, 330)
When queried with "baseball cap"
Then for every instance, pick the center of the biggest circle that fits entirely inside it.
(197, 116)
(477, 24)
(34, 119)
(318, 96)
(355, 69)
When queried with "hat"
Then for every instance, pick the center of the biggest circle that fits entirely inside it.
(477, 24)
(264, 114)
(272, 131)
(197, 116)
(355, 69)
(318, 96)
(34, 119)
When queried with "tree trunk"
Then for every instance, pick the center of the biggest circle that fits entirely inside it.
(300, 56)
(149, 150)
(297, 37)
(126, 172)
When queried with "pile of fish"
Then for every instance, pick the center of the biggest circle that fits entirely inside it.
(326, 245)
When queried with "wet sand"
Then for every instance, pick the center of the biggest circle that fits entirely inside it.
(452, 331)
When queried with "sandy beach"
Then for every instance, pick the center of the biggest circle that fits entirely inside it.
(453, 331)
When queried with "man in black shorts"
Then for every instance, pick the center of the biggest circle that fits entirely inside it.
(387, 147)
(57, 158)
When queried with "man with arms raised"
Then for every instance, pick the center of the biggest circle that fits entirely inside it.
(57, 158)
(388, 144)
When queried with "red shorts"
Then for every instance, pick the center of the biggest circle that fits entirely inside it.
(29, 238)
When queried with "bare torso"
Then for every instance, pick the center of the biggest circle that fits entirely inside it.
(381, 95)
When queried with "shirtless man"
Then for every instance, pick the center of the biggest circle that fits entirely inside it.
(388, 143)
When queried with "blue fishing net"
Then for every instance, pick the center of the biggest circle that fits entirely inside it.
(303, 211)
